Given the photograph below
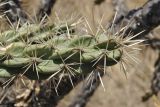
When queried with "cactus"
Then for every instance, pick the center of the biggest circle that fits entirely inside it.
(41, 52)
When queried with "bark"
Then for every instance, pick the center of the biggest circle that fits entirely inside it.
(13, 11)
(155, 83)
(154, 43)
(121, 9)
(87, 91)
(145, 18)
(46, 7)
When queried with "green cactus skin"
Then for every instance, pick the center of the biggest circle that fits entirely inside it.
(34, 51)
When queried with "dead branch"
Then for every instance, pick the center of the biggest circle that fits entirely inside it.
(12, 10)
(121, 9)
(98, 2)
(145, 18)
(154, 43)
(87, 91)
(46, 7)
(155, 83)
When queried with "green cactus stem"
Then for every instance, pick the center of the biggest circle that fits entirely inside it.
(40, 53)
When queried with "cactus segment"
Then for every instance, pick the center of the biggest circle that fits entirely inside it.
(49, 66)
(4, 73)
(21, 33)
(82, 41)
(34, 51)
(38, 50)
(15, 49)
(7, 35)
(108, 44)
(16, 62)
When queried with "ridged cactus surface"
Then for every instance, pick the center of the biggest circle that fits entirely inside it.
(42, 52)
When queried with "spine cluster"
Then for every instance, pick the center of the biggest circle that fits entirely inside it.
(44, 52)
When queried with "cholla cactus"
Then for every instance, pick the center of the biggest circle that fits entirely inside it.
(45, 52)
